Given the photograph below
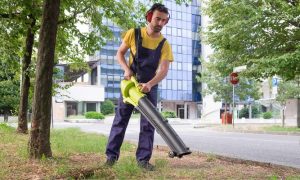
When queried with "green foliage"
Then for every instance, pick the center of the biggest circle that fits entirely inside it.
(168, 114)
(94, 115)
(267, 115)
(244, 113)
(219, 86)
(9, 95)
(81, 25)
(107, 107)
(264, 35)
(288, 90)
(81, 28)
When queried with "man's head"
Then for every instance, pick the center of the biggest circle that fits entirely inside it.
(157, 17)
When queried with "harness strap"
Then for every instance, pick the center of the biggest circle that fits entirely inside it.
(138, 42)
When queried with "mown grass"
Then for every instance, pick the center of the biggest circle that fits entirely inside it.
(65, 144)
(281, 129)
(75, 153)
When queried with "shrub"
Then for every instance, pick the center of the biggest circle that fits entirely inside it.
(107, 107)
(168, 114)
(245, 112)
(267, 115)
(93, 115)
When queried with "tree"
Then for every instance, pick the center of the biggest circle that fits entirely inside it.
(9, 88)
(19, 19)
(9, 95)
(219, 86)
(40, 128)
(264, 35)
(107, 107)
(26, 62)
(288, 90)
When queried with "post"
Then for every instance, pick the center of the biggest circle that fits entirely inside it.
(233, 105)
(250, 111)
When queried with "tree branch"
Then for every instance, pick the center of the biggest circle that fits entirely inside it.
(12, 15)
(294, 23)
(73, 16)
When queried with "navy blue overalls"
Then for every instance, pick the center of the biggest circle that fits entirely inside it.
(144, 66)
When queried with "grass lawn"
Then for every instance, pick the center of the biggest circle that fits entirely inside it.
(282, 129)
(78, 155)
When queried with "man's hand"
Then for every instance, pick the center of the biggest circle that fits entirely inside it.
(145, 87)
(127, 74)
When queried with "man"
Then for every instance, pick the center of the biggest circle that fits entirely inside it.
(150, 57)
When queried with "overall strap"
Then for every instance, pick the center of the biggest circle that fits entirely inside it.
(160, 45)
(138, 42)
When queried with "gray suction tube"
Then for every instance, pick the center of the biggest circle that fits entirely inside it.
(163, 128)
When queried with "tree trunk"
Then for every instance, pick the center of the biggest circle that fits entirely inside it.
(283, 116)
(22, 119)
(39, 142)
(298, 113)
(6, 116)
(225, 111)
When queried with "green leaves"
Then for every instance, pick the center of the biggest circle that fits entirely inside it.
(264, 35)
(9, 95)
(219, 86)
(288, 90)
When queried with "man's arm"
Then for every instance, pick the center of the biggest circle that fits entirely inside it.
(160, 75)
(121, 60)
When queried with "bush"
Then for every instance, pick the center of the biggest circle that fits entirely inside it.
(244, 113)
(267, 115)
(93, 115)
(168, 114)
(107, 107)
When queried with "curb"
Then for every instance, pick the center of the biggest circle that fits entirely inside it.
(253, 131)
(84, 121)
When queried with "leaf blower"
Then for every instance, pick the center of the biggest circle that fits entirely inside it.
(132, 95)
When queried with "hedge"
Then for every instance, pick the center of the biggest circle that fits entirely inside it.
(94, 115)
(168, 114)
(267, 115)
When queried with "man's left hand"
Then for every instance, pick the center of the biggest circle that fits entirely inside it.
(145, 87)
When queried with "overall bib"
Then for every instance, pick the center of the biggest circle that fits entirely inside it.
(144, 66)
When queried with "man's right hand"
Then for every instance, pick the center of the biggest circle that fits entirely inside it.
(128, 74)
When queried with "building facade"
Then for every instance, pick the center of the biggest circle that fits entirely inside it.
(80, 92)
(179, 91)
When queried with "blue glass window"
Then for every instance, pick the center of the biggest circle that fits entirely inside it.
(179, 84)
(169, 84)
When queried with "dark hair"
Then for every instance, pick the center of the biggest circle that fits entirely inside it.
(159, 7)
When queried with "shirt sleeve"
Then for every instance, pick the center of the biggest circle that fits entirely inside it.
(129, 38)
(166, 52)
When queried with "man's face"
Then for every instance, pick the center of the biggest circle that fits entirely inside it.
(159, 19)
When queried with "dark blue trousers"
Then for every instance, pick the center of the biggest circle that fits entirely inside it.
(117, 132)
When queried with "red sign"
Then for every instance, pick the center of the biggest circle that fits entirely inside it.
(234, 79)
